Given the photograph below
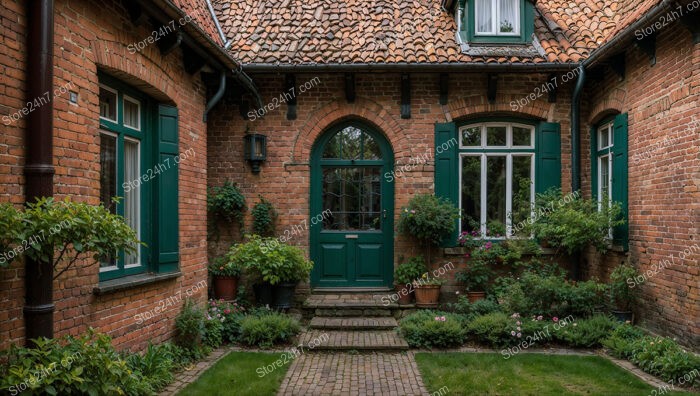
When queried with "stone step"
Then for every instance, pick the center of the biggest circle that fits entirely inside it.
(350, 301)
(335, 340)
(353, 323)
(351, 312)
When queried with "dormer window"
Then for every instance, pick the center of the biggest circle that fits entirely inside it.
(497, 21)
(497, 18)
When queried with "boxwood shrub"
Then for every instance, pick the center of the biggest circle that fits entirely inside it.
(268, 329)
(433, 329)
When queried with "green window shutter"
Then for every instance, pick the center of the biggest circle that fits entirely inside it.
(548, 152)
(167, 230)
(594, 163)
(446, 158)
(620, 175)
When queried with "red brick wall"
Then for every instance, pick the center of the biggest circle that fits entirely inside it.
(664, 176)
(92, 35)
(284, 178)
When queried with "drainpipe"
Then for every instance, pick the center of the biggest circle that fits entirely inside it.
(576, 147)
(217, 96)
(38, 169)
(458, 35)
(218, 26)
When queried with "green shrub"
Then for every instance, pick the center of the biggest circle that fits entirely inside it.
(433, 329)
(269, 260)
(477, 308)
(410, 271)
(190, 326)
(621, 341)
(84, 365)
(268, 329)
(428, 218)
(156, 365)
(622, 296)
(213, 331)
(227, 201)
(232, 314)
(586, 333)
(264, 216)
(491, 329)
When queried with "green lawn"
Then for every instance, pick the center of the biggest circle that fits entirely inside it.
(239, 373)
(529, 374)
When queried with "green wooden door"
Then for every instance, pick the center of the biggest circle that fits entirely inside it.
(352, 206)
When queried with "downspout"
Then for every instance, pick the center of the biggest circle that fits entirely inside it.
(576, 147)
(38, 170)
(458, 34)
(217, 96)
(218, 26)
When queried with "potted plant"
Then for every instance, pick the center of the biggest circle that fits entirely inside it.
(294, 269)
(475, 278)
(622, 292)
(225, 274)
(252, 256)
(431, 220)
(405, 274)
(427, 291)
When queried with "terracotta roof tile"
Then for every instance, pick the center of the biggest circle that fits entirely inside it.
(199, 11)
(388, 31)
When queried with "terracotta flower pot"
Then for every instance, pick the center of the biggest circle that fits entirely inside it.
(427, 296)
(404, 293)
(475, 296)
(226, 287)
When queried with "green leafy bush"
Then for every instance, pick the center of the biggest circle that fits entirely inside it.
(84, 365)
(190, 326)
(621, 341)
(264, 216)
(227, 201)
(223, 267)
(410, 271)
(232, 314)
(571, 223)
(433, 329)
(428, 218)
(491, 329)
(156, 365)
(477, 308)
(62, 232)
(213, 331)
(621, 294)
(268, 329)
(270, 260)
(586, 333)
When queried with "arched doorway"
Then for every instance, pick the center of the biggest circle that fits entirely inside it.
(352, 196)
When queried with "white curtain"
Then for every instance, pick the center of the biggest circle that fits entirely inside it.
(132, 201)
(484, 19)
(508, 21)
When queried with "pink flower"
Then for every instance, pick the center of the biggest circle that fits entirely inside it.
(539, 317)
(437, 318)
(413, 211)
(555, 319)
(519, 328)
(512, 333)
(518, 323)
(488, 245)
(519, 335)
(515, 315)
(227, 311)
(442, 318)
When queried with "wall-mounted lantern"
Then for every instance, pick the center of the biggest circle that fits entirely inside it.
(255, 150)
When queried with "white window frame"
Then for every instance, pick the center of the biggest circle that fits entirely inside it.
(116, 103)
(509, 188)
(610, 142)
(495, 18)
(116, 162)
(137, 102)
(138, 201)
(509, 136)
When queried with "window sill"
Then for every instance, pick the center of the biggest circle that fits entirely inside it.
(132, 281)
(461, 251)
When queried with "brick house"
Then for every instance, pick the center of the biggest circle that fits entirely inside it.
(364, 104)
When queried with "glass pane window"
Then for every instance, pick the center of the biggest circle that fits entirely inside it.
(497, 17)
(495, 196)
(352, 143)
(132, 194)
(605, 178)
(108, 181)
(522, 191)
(471, 136)
(108, 104)
(471, 193)
(132, 113)
(605, 136)
(522, 136)
(496, 136)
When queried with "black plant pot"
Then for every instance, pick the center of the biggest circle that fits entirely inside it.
(263, 293)
(623, 316)
(284, 295)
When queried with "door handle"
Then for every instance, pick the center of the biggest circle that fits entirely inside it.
(351, 236)
(384, 213)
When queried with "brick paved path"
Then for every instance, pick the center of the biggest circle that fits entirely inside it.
(339, 373)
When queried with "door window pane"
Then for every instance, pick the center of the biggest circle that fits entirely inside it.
(352, 144)
(108, 104)
(496, 135)
(354, 197)
(132, 114)
(496, 196)
(132, 193)
(471, 193)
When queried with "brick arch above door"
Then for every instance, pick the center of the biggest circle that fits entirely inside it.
(362, 109)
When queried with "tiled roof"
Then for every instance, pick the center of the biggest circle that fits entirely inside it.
(199, 11)
(411, 31)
